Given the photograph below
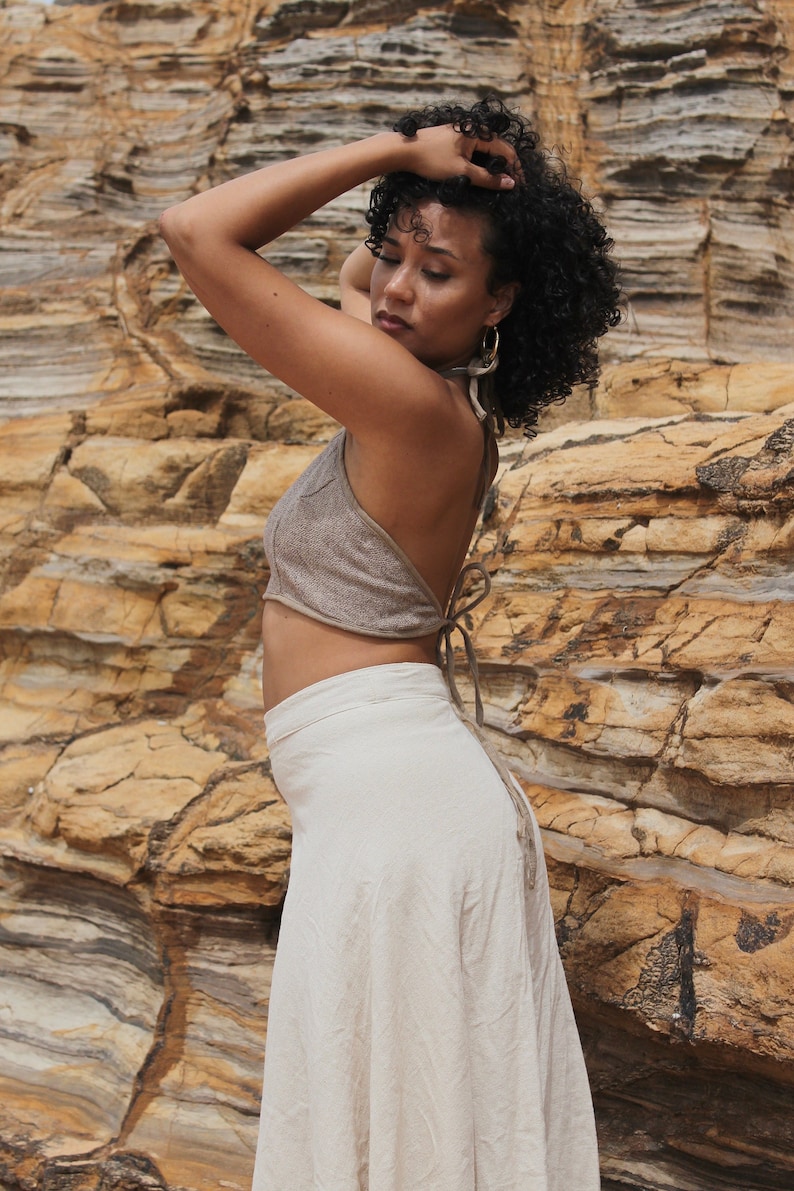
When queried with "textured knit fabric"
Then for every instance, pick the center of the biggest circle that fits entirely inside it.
(333, 562)
(420, 1035)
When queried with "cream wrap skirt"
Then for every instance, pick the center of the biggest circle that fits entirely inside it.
(420, 1033)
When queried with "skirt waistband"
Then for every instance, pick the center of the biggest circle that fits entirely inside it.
(344, 692)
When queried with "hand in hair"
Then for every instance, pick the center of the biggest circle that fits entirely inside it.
(447, 152)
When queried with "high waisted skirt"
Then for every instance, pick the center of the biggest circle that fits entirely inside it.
(420, 1033)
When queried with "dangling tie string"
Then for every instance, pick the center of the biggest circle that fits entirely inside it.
(445, 648)
(524, 829)
(481, 394)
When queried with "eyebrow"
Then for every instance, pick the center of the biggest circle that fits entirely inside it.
(427, 247)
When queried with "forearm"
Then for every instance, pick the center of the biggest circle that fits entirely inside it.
(250, 211)
(355, 278)
(254, 209)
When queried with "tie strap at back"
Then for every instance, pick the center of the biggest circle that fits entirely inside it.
(446, 658)
(445, 652)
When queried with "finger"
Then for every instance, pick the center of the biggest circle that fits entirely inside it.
(511, 157)
(498, 157)
(496, 147)
(496, 165)
(490, 171)
(480, 175)
(512, 160)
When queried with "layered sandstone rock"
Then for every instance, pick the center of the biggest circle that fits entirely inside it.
(637, 648)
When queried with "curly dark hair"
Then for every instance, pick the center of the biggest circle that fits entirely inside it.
(542, 233)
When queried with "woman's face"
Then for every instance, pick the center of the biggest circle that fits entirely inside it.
(429, 290)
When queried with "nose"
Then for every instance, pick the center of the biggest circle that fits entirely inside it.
(399, 285)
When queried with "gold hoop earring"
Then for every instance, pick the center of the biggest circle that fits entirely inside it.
(489, 351)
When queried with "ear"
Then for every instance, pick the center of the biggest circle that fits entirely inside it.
(503, 300)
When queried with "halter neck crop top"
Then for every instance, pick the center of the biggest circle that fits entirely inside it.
(331, 561)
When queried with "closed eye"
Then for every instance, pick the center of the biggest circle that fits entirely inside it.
(433, 274)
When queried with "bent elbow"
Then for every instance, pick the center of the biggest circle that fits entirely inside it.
(163, 224)
(168, 224)
(171, 225)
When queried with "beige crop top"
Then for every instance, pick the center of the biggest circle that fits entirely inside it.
(331, 561)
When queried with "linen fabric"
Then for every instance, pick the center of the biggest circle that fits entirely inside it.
(420, 1032)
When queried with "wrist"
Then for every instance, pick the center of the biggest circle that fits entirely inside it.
(394, 152)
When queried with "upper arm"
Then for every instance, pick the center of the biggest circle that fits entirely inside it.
(348, 368)
(354, 283)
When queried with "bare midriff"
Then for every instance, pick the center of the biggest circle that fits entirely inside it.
(299, 651)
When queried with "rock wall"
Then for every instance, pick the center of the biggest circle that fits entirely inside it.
(637, 650)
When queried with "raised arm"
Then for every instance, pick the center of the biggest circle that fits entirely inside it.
(355, 277)
(355, 373)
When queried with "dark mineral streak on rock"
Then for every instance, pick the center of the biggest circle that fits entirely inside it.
(752, 934)
(724, 474)
(687, 1003)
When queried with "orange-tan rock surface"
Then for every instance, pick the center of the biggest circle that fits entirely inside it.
(637, 649)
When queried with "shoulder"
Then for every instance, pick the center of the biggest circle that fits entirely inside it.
(431, 457)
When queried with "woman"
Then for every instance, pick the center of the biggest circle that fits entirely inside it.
(420, 1031)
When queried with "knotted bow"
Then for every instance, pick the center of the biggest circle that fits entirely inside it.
(481, 394)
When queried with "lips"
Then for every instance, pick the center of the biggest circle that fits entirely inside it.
(391, 322)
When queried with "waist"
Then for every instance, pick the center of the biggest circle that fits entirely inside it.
(352, 690)
(300, 651)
